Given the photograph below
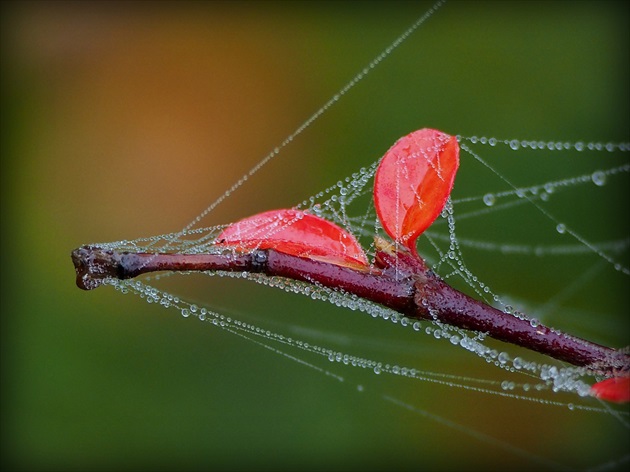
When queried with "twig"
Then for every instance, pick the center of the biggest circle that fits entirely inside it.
(398, 281)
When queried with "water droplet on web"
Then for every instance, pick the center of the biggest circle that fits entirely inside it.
(489, 199)
(504, 357)
(561, 228)
(514, 144)
(598, 178)
(534, 322)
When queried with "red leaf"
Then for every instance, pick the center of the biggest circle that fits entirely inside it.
(413, 182)
(614, 389)
(295, 232)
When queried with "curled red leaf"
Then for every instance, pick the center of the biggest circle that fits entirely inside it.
(295, 232)
(413, 182)
(614, 389)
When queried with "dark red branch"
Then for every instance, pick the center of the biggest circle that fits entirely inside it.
(400, 282)
(435, 299)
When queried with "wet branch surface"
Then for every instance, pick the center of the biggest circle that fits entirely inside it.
(397, 281)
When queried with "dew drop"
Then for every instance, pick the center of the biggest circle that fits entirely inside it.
(561, 228)
(598, 178)
(185, 313)
(517, 362)
(514, 144)
(489, 199)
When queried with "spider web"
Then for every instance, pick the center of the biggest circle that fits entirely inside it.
(539, 183)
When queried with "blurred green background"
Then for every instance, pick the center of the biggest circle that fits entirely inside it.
(124, 120)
